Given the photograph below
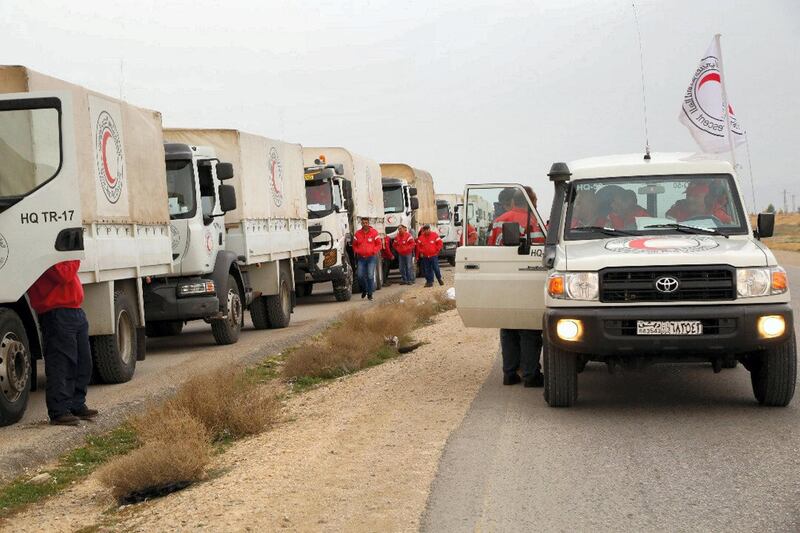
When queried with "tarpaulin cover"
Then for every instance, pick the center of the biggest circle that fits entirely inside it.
(422, 180)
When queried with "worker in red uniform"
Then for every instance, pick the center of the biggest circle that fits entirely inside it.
(404, 245)
(387, 256)
(428, 245)
(472, 235)
(586, 212)
(367, 244)
(57, 297)
(625, 210)
(522, 215)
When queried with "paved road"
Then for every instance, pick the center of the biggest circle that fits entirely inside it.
(170, 361)
(673, 448)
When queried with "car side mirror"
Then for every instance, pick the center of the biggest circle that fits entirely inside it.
(414, 203)
(766, 225)
(224, 171)
(511, 236)
(227, 198)
(412, 191)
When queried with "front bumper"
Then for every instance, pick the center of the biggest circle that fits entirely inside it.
(161, 302)
(727, 330)
(448, 250)
(312, 273)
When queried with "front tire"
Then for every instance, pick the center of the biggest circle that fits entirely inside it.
(15, 368)
(774, 374)
(279, 306)
(226, 330)
(114, 356)
(342, 289)
(560, 376)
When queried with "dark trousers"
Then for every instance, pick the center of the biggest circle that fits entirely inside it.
(521, 349)
(406, 264)
(430, 267)
(67, 360)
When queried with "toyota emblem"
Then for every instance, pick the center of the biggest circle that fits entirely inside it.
(667, 284)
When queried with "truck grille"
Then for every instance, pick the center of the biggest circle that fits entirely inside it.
(694, 284)
(711, 326)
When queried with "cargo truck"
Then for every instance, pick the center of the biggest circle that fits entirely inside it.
(238, 213)
(341, 187)
(449, 230)
(79, 172)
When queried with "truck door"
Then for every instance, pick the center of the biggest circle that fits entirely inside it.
(500, 286)
(40, 210)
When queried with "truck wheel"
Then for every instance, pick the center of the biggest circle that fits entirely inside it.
(560, 376)
(15, 368)
(114, 356)
(165, 328)
(774, 373)
(342, 289)
(304, 289)
(226, 330)
(279, 306)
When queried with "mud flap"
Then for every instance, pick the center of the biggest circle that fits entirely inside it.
(141, 344)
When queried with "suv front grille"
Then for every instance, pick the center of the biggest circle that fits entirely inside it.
(702, 283)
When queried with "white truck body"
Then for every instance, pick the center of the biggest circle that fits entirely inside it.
(406, 177)
(97, 186)
(449, 231)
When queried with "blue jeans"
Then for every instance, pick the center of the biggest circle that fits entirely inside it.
(366, 273)
(406, 263)
(67, 360)
(430, 267)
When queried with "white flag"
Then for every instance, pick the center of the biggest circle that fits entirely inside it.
(703, 110)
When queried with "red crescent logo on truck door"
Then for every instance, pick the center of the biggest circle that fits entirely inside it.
(276, 176)
(3, 251)
(110, 162)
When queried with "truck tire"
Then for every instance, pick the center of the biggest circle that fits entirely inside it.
(226, 330)
(304, 289)
(165, 328)
(774, 374)
(279, 306)
(15, 368)
(114, 356)
(342, 289)
(560, 376)
(258, 313)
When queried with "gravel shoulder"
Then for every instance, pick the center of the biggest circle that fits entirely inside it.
(357, 454)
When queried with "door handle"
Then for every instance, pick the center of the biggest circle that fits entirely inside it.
(472, 267)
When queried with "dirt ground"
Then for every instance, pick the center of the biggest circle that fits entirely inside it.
(357, 454)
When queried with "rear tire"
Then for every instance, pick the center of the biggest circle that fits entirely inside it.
(226, 330)
(774, 374)
(15, 368)
(114, 356)
(342, 290)
(166, 328)
(279, 306)
(560, 376)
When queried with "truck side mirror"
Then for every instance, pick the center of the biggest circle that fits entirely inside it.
(414, 203)
(766, 225)
(412, 191)
(347, 189)
(325, 173)
(457, 216)
(227, 198)
(339, 169)
(224, 171)
(511, 236)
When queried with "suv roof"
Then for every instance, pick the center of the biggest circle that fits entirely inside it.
(636, 165)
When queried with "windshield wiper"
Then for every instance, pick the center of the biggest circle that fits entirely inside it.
(693, 230)
(606, 231)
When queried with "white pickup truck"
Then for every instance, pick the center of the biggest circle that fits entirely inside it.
(646, 260)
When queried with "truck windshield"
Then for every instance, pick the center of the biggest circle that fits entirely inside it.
(639, 205)
(180, 189)
(319, 197)
(30, 151)
(393, 200)
(443, 212)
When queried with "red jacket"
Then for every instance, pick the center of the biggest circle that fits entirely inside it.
(429, 244)
(59, 287)
(522, 217)
(404, 243)
(628, 220)
(367, 243)
(386, 250)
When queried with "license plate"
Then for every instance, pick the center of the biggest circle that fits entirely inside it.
(677, 327)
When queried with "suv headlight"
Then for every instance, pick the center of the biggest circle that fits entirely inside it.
(751, 282)
(574, 285)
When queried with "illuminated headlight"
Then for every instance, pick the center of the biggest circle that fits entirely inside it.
(329, 258)
(771, 326)
(568, 329)
(574, 285)
(196, 288)
(752, 282)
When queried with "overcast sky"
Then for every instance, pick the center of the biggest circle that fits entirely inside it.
(471, 90)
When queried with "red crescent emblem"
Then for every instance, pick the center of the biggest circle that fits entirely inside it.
(638, 244)
(274, 183)
(111, 179)
(712, 76)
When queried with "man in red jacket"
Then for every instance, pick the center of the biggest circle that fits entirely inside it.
(367, 244)
(404, 245)
(522, 215)
(57, 297)
(428, 245)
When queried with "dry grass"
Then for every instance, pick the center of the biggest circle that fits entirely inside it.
(787, 232)
(352, 343)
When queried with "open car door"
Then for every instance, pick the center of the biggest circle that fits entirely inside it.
(500, 284)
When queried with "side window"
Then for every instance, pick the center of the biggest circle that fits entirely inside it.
(488, 208)
(207, 194)
(337, 197)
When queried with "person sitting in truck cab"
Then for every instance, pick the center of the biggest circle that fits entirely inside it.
(625, 210)
(522, 215)
(586, 212)
(699, 203)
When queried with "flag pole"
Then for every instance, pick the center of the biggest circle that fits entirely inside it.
(725, 104)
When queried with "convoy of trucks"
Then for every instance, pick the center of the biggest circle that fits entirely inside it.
(448, 209)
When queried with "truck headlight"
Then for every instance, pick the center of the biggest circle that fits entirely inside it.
(196, 288)
(752, 282)
(574, 285)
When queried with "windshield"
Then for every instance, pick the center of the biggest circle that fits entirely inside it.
(443, 213)
(654, 204)
(180, 189)
(30, 150)
(319, 197)
(393, 200)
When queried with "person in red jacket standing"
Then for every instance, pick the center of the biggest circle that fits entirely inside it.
(367, 244)
(57, 297)
(404, 245)
(428, 245)
(387, 256)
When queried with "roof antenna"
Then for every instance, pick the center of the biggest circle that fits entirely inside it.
(644, 95)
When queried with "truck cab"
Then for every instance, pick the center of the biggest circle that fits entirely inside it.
(447, 228)
(399, 203)
(646, 260)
